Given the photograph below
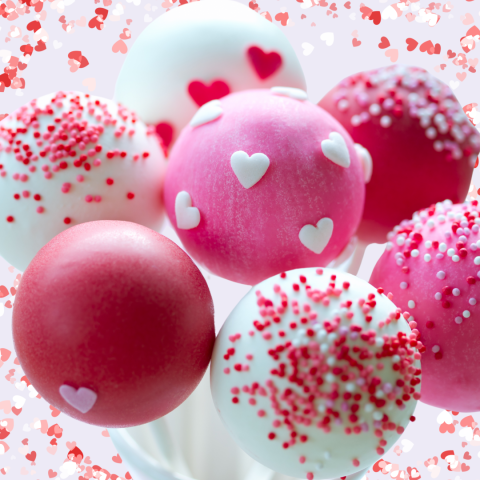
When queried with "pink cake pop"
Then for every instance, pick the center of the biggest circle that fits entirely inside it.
(113, 324)
(422, 145)
(261, 181)
(69, 158)
(314, 373)
(431, 265)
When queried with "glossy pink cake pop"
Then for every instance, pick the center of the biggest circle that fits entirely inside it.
(432, 267)
(262, 181)
(422, 145)
(113, 324)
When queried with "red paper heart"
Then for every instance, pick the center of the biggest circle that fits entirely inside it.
(355, 42)
(467, 456)
(3, 289)
(16, 411)
(376, 17)
(265, 64)
(25, 442)
(202, 93)
(385, 43)
(426, 46)
(451, 54)
(34, 26)
(347, 5)
(465, 467)
(411, 44)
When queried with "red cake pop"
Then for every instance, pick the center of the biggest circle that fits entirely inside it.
(113, 324)
(422, 145)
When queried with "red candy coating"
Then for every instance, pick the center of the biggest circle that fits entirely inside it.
(121, 314)
(422, 144)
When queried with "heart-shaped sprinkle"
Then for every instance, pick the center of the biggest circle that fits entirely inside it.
(366, 160)
(316, 238)
(295, 93)
(82, 399)
(335, 149)
(249, 170)
(188, 217)
(207, 113)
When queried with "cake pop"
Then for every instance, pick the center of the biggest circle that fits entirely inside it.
(422, 145)
(201, 52)
(69, 158)
(262, 181)
(315, 373)
(431, 265)
(113, 324)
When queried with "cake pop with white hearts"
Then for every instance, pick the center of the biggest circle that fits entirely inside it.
(432, 267)
(199, 52)
(69, 158)
(315, 373)
(262, 181)
(422, 145)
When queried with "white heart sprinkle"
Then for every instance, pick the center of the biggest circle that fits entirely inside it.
(249, 170)
(444, 417)
(188, 217)
(316, 238)
(454, 84)
(82, 399)
(328, 38)
(295, 93)
(366, 159)
(207, 113)
(335, 149)
(407, 445)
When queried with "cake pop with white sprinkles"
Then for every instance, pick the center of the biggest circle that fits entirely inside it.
(432, 267)
(315, 373)
(68, 158)
(422, 144)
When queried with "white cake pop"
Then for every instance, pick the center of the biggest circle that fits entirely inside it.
(70, 158)
(200, 52)
(315, 373)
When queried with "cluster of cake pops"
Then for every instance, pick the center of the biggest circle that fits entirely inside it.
(316, 373)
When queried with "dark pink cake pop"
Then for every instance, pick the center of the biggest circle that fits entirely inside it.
(113, 324)
(422, 145)
(432, 267)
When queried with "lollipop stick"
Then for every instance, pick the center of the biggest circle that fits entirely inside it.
(141, 461)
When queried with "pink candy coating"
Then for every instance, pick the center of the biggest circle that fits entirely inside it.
(422, 144)
(432, 267)
(114, 320)
(249, 234)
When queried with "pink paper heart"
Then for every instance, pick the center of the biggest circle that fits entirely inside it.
(82, 399)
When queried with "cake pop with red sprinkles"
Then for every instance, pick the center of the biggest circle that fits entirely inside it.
(113, 324)
(432, 267)
(316, 373)
(68, 158)
(422, 144)
(261, 181)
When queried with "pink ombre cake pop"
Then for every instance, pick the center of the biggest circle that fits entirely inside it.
(432, 267)
(423, 146)
(262, 181)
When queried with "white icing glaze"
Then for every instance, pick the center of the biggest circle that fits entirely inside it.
(246, 355)
(295, 93)
(203, 41)
(316, 238)
(188, 217)
(207, 113)
(335, 149)
(74, 192)
(249, 170)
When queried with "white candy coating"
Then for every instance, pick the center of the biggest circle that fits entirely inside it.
(204, 42)
(265, 349)
(77, 159)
